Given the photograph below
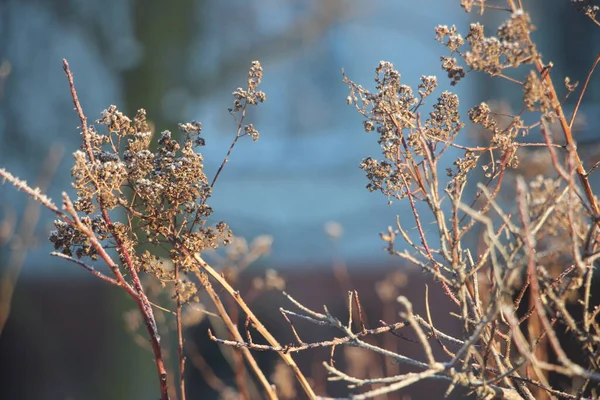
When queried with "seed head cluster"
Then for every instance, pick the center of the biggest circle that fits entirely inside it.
(163, 191)
(588, 8)
(392, 111)
(510, 47)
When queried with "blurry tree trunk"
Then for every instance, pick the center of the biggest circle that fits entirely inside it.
(165, 31)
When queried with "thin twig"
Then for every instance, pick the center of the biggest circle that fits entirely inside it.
(233, 331)
(584, 90)
(180, 343)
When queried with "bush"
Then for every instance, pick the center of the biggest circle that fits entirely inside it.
(521, 294)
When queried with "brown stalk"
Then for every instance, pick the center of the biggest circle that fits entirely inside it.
(258, 325)
(180, 350)
(234, 332)
(544, 71)
(238, 359)
(140, 298)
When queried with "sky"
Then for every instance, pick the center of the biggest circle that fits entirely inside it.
(303, 172)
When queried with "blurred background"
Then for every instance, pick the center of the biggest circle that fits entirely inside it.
(300, 183)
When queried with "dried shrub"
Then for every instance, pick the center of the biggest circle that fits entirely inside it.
(521, 294)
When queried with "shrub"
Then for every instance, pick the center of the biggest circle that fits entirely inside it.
(522, 293)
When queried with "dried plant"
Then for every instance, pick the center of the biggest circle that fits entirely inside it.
(163, 195)
(544, 248)
(521, 293)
